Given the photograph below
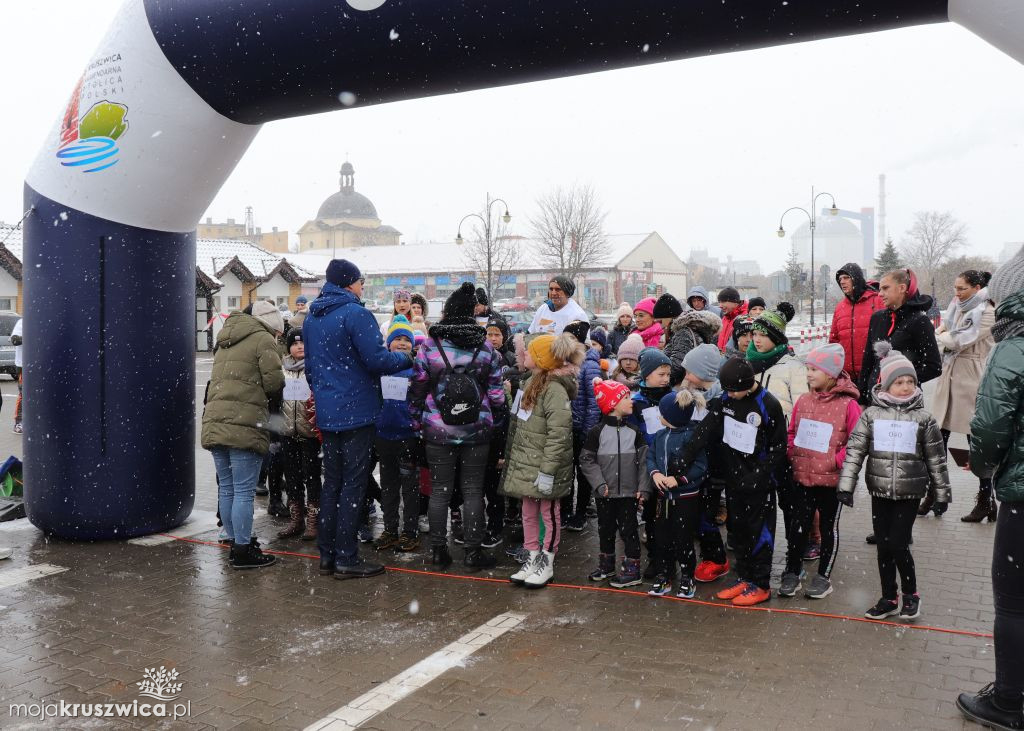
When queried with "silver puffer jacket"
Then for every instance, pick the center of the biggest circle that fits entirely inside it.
(897, 475)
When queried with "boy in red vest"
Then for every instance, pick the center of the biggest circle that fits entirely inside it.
(819, 427)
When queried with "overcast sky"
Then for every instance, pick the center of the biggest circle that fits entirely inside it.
(708, 152)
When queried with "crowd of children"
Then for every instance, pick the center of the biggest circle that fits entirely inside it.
(515, 438)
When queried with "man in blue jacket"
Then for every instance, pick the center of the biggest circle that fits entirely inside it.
(345, 358)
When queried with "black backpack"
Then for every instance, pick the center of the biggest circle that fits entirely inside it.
(457, 394)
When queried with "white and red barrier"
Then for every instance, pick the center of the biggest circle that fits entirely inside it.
(812, 335)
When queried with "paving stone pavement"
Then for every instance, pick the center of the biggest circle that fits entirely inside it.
(283, 647)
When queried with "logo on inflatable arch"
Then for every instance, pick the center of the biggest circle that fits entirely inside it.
(89, 142)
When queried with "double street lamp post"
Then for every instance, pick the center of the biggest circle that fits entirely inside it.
(488, 241)
(833, 211)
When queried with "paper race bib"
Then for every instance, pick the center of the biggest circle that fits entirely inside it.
(698, 414)
(895, 436)
(652, 419)
(813, 435)
(394, 388)
(517, 400)
(740, 436)
(296, 389)
(524, 414)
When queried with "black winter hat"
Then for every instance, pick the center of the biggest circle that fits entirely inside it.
(667, 306)
(566, 284)
(342, 273)
(736, 375)
(461, 302)
(756, 302)
(294, 336)
(578, 329)
(481, 296)
(729, 294)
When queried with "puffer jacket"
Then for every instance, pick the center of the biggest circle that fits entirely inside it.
(836, 407)
(345, 358)
(666, 457)
(786, 380)
(617, 336)
(542, 442)
(909, 331)
(394, 422)
(699, 291)
(725, 334)
(296, 423)
(585, 413)
(897, 475)
(690, 329)
(459, 340)
(997, 429)
(614, 454)
(852, 317)
(246, 372)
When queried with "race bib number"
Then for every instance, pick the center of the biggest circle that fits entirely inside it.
(740, 436)
(813, 435)
(524, 414)
(652, 419)
(698, 414)
(895, 436)
(394, 388)
(517, 400)
(296, 389)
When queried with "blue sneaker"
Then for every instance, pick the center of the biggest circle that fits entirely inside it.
(660, 587)
(687, 589)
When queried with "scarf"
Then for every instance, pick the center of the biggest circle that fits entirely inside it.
(462, 332)
(1007, 327)
(971, 302)
(887, 398)
(755, 355)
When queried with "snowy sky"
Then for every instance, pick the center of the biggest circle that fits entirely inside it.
(708, 152)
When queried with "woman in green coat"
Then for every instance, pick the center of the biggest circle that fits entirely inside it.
(246, 373)
(538, 466)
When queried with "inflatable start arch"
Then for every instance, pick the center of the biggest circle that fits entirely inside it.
(164, 110)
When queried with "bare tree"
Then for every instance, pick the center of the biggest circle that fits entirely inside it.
(932, 241)
(569, 230)
(492, 249)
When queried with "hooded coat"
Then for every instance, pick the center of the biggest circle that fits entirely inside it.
(997, 429)
(690, 329)
(852, 317)
(837, 408)
(585, 412)
(246, 372)
(897, 475)
(699, 291)
(909, 331)
(296, 419)
(345, 358)
(965, 339)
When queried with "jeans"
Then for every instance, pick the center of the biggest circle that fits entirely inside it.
(346, 467)
(399, 483)
(1008, 588)
(237, 473)
(618, 515)
(469, 461)
(893, 523)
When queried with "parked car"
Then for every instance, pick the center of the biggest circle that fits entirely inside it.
(8, 319)
(518, 322)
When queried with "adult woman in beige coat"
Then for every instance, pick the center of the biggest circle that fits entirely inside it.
(965, 339)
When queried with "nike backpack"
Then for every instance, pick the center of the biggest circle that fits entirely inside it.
(457, 394)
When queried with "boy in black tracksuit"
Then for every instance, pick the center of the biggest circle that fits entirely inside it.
(750, 421)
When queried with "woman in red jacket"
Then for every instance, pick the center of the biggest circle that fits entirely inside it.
(852, 315)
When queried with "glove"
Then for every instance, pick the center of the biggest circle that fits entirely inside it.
(939, 508)
(846, 498)
(545, 484)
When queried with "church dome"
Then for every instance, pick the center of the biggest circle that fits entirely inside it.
(347, 203)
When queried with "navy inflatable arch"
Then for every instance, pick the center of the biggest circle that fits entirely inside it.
(164, 110)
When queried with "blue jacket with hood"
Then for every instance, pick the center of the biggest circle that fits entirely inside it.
(345, 357)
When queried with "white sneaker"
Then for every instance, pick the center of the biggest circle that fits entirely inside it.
(543, 571)
(519, 577)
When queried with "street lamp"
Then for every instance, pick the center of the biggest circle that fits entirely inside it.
(833, 211)
(506, 218)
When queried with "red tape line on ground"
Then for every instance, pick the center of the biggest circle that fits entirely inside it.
(628, 592)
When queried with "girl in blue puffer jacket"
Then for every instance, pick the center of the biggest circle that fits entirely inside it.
(585, 416)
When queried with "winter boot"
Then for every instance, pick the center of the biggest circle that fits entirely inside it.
(519, 577)
(250, 557)
(629, 575)
(984, 507)
(312, 521)
(276, 507)
(440, 557)
(296, 513)
(543, 571)
(477, 558)
(605, 567)
(985, 708)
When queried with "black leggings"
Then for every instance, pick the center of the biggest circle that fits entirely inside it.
(676, 526)
(711, 546)
(984, 483)
(893, 523)
(1008, 588)
(821, 500)
(582, 484)
(618, 515)
(399, 483)
(302, 469)
(751, 522)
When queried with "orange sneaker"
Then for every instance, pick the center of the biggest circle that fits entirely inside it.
(752, 595)
(709, 571)
(733, 591)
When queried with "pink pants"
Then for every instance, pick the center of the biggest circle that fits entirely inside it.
(541, 521)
